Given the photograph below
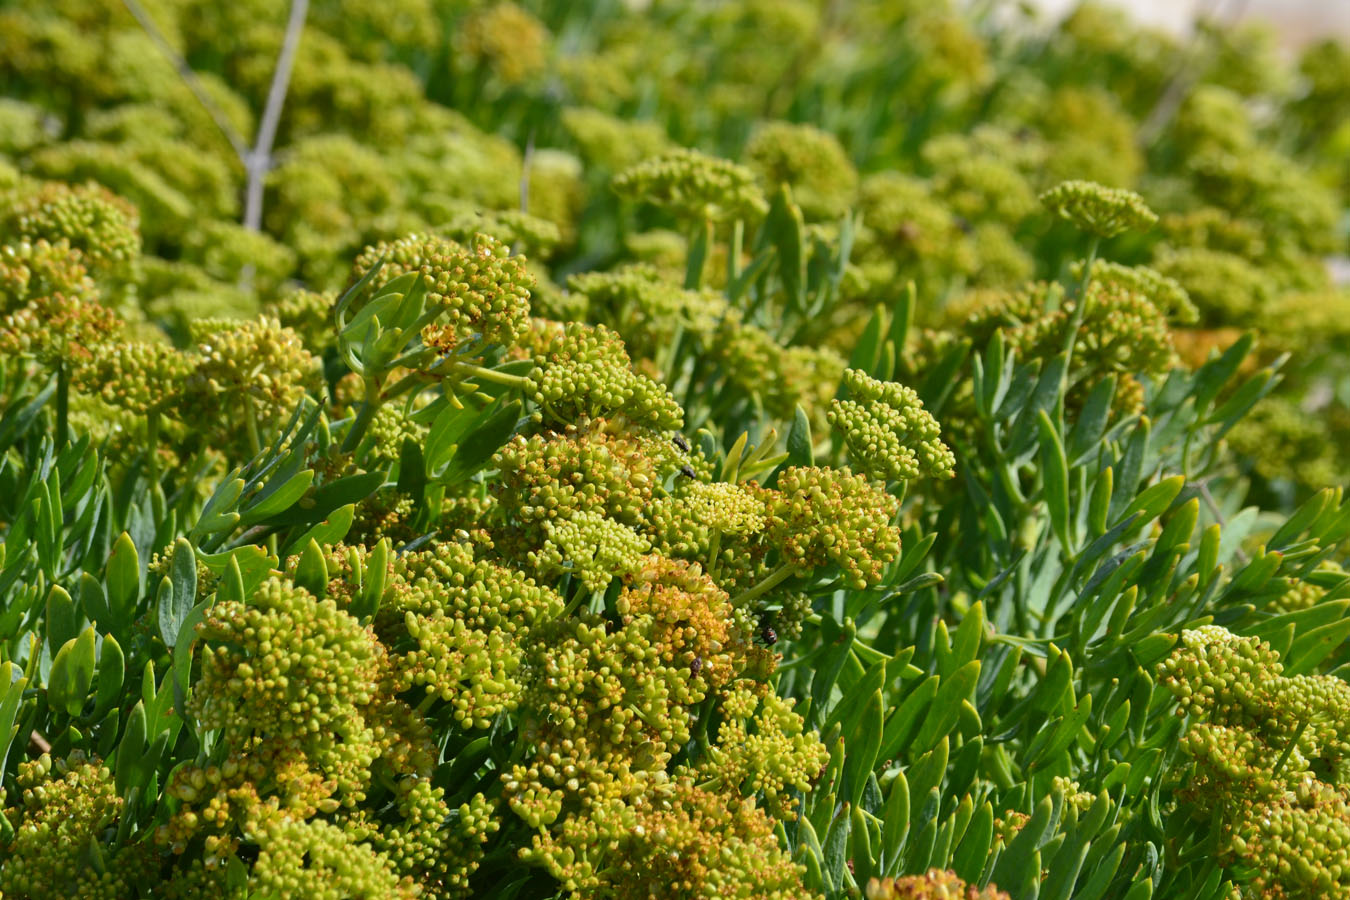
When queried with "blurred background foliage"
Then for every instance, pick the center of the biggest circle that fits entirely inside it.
(479, 522)
(937, 124)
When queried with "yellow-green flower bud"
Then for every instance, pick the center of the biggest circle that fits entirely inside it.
(1097, 209)
(888, 433)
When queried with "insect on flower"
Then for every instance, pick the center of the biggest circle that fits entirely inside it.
(767, 635)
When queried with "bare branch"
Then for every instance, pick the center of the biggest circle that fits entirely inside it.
(1185, 76)
(37, 744)
(260, 160)
(190, 79)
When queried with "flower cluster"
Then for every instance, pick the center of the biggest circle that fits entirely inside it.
(610, 142)
(65, 808)
(696, 844)
(101, 225)
(50, 308)
(32, 269)
(298, 858)
(591, 547)
(1166, 294)
(889, 435)
(770, 753)
(285, 664)
(58, 328)
(438, 847)
(136, 376)
(609, 708)
(647, 309)
(1123, 331)
(693, 185)
(1271, 760)
(810, 161)
(243, 374)
(1099, 210)
(908, 233)
(690, 618)
(934, 884)
(481, 292)
(781, 377)
(831, 516)
(602, 467)
(505, 39)
(586, 372)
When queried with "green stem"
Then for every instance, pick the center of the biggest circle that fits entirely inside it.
(1080, 301)
(133, 799)
(699, 250)
(714, 548)
(251, 423)
(705, 711)
(734, 252)
(582, 596)
(404, 384)
(712, 784)
(152, 444)
(492, 375)
(672, 366)
(62, 404)
(774, 578)
(370, 404)
(1079, 311)
(1288, 749)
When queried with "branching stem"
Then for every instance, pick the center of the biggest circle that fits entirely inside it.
(492, 375)
(236, 141)
(370, 405)
(259, 161)
(771, 581)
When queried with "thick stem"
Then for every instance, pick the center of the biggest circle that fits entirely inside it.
(189, 77)
(1087, 266)
(259, 160)
(152, 444)
(672, 365)
(700, 248)
(251, 424)
(714, 550)
(1288, 749)
(734, 251)
(62, 404)
(370, 405)
(491, 375)
(1080, 302)
(704, 718)
(771, 581)
(582, 596)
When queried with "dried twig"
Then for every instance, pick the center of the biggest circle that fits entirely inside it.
(1185, 76)
(37, 744)
(260, 160)
(257, 161)
(190, 79)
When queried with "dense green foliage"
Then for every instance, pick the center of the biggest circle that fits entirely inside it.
(759, 449)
